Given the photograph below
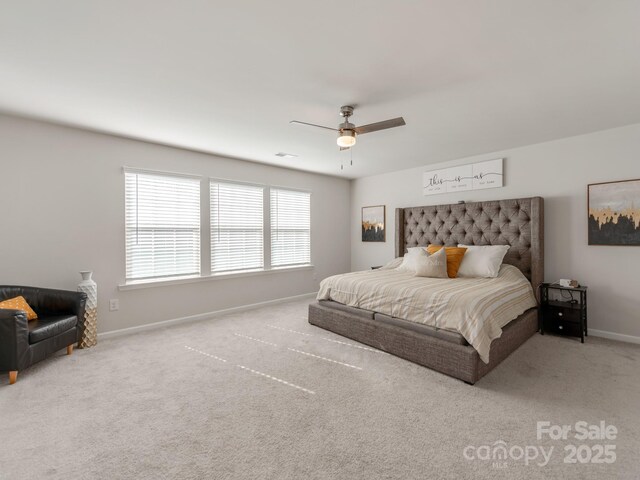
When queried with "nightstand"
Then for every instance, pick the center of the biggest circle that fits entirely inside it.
(566, 315)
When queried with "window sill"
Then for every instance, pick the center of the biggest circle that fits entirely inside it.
(206, 278)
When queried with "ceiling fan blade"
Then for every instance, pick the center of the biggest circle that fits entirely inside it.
(313, 125)
(374, 127)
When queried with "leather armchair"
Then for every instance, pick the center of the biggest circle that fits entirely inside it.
(60, 324)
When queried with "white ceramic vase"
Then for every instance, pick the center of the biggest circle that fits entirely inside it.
(89, 336)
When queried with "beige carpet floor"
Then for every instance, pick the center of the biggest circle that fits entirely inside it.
(264, 395)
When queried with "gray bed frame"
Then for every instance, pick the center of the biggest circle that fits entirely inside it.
(516, 222)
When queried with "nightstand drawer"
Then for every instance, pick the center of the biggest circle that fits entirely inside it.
(561, 327)
(557, 313)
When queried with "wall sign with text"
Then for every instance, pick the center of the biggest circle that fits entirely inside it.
(475, 176)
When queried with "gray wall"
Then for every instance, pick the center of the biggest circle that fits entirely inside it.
(62, 192)
(559, 171)
(63, 204)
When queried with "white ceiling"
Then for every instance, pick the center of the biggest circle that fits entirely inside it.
(469, 76)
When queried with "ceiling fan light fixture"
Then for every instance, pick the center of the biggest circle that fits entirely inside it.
(347, 131)
(346, 138)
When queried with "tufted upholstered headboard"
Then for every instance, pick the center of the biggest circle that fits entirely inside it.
(518, 222)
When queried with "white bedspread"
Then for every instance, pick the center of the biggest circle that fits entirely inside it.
(477, 308)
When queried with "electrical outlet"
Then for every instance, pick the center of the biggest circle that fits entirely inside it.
(114, 305)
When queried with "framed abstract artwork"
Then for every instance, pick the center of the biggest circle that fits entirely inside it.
(373, 224)
(614, 213)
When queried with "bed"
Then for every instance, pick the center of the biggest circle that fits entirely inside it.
(516, 222)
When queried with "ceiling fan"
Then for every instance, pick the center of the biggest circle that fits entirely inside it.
(347, 131)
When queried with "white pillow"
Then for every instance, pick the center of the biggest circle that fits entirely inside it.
(411, 260)
(482, 261)
(434, 265)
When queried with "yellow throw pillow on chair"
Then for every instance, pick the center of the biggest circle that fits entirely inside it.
(19, 303)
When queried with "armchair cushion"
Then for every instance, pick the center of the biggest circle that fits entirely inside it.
(50, 326)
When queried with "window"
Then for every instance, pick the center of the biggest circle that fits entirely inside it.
(290, 227)
(162, 223)
(250, 227)
(237, 234)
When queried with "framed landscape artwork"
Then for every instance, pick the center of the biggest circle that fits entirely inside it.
(373, 220)
(614, 213)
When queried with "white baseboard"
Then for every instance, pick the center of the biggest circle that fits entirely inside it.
(200, 316)
(614, 336)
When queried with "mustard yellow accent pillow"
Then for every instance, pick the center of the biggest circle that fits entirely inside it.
(19, 303)
(454, 258)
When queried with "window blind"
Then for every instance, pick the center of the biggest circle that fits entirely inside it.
(290, 227)
(236, 227)
(162, 223)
